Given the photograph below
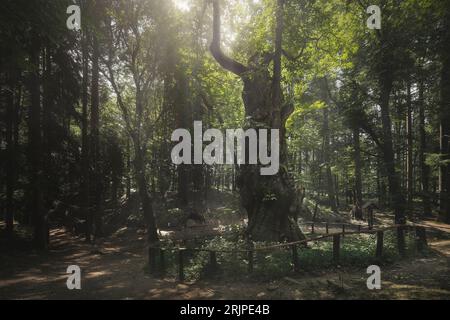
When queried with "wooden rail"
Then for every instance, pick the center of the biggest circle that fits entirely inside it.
(421, 243)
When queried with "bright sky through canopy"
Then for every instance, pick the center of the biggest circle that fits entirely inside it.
(183, 5)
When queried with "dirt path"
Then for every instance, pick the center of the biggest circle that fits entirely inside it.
(114, 269)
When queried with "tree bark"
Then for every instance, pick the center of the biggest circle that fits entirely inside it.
(129, 170)
(385, 83)
(146, 200)
(181, 122)
(409, 147)
(445, 120)
(331, 191)
(424, 169)
(50, 185)
(84, 186)
(39, 220)
(10, 152)
(96, 182)
(358, 175)
(267, 199)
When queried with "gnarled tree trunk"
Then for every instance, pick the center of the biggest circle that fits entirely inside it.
(267, 199)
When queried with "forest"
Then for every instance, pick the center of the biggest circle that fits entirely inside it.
(118, 122)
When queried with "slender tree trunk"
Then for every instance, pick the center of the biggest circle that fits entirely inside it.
(396, 195)
(386, 80)
(84, 192)
(144, 195)
(409, 147)
(445, 121)
(47, 135)
(424, 169)
(96, 183)
(358, 175)
(16, 135)
(10, 153)
(326, 155)
(39, 220)
(180, 121)
(129, 170)
(198, 170)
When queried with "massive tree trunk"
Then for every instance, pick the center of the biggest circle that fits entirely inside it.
(445, 121)
(267, 199)
(39, 220)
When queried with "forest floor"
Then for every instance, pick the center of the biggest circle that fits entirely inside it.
(114, 269)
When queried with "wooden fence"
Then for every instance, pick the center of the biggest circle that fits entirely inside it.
(160, 268)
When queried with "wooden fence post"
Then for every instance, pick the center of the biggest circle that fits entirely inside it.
(336, 247)
(421, 238)
(295, 261)
(326, 228)
(380, 237)
(162, 261)
(181, 264)
(343, 230)
(213, 261)
(401, 241)
(312, 228)
(250, 260)
(152, 259)
(370, 219)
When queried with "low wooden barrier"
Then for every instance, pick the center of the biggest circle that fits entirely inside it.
(420, 236)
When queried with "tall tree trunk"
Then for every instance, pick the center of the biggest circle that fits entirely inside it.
(386, 82)
(409, 147)
(47, 135)
(129, 170)
(16, 134)
(39, 220)
(96, 182)
(10, 152)
(445, 120)
(84, 192)
(326, 157)
(358, 175)
(381, 184)
(146, 200)
(267, 199)
(181, 122)
(424, 169)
